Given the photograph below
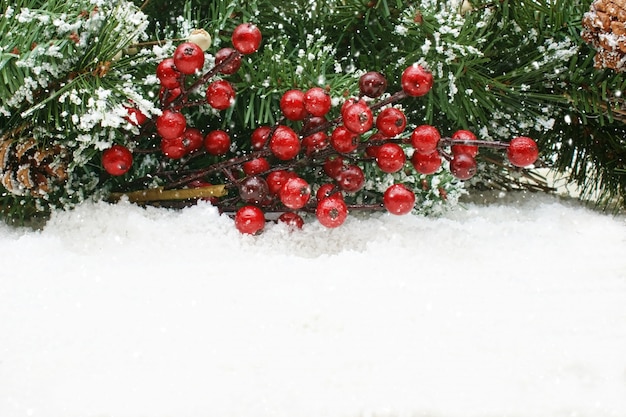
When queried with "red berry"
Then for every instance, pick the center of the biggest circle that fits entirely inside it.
(135, 116)
(173, 148)
(217, 142)
(188, 58)
(276, 180)
(246, 38)
(291, 219)
(192, 139)
(426, 163)
(343, 140)
(358, 117)
(315, 142)
(317, 101)
(167, 96)
(463, 166)
(255, 166)
(372, 150)
(465, 135)
(233, 64)
(333, 166)
(390, 157)
(295, 193)
(259, 137)
(249, 220)
(171, 124)
(398, 199)
(325, 190)
(522, 151)
(292, 105)
(220, 95)
(391, 121)
(416, 80)
(284, 143)
(425, 138)
(117, 160)
(372, 84)
(168, 75)
(351, 178)
(253, 189)
(331, 211)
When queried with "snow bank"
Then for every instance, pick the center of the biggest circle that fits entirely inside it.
(511, 309)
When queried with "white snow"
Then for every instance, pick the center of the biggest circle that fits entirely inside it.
(516, 308)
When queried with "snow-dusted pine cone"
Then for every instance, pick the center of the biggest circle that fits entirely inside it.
(26, 167)
(605, 29)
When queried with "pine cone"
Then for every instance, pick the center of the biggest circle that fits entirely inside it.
(605, 30)
(27, 168)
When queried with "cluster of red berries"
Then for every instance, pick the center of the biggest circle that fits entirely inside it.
(369, 128)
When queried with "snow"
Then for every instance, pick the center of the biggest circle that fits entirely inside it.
(513, 308)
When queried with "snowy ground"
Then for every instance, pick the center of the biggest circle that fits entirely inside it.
(513, 309)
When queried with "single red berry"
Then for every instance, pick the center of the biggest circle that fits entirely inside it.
(276, 180)
(234, 63)
(331, 211)
(426, 163)
(333, 166)
(372, 84)
(253, 189)
(217, 142)
(171, 124)
(416, 80)
(291, 219)
(249, 220)
(463, 166)
(425, 138)
(390, 157)
(358, 117)
(292, 105)
(295, 193)
(317, 101)
(246, 38)
(284, 143)
(188, 58)
(193, 139)
(167, 96)
(255, 166)
(326, 190)
(117, 160)
(314, 143)
(391, 121)
(259, 137)
(135, 116)
(168, 75)
(351, 178)
(522, 151)
(220, 95)
(398, 199)
(344, 140)
(173, 148)
(464, 135)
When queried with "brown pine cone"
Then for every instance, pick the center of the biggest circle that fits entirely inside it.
(605, 29)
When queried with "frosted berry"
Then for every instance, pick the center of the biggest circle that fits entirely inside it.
(466, 135)
(276, 180)
(317, 101)
(284, 143)
(332, 211)
(173, 148)
(390, 157)
(246, 38)
(255, 166)
(291, 219)
(351, 178)
(217, 142)
(188, 58)
(201, 38)
(358, 117)
(171, 124)
(292, 105)
(295, 193)
(233, 64)
(253, 189)
(220, 95)
(416, 80)
(168, 75)
(398, 199)
(259, 137)
(425, 138)
(250, 220)
(117, 160)
(463, 166)
(135, 116)
(372, 84)
(426, 163)
(522, 151)
(344, 140)
(391, 121)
